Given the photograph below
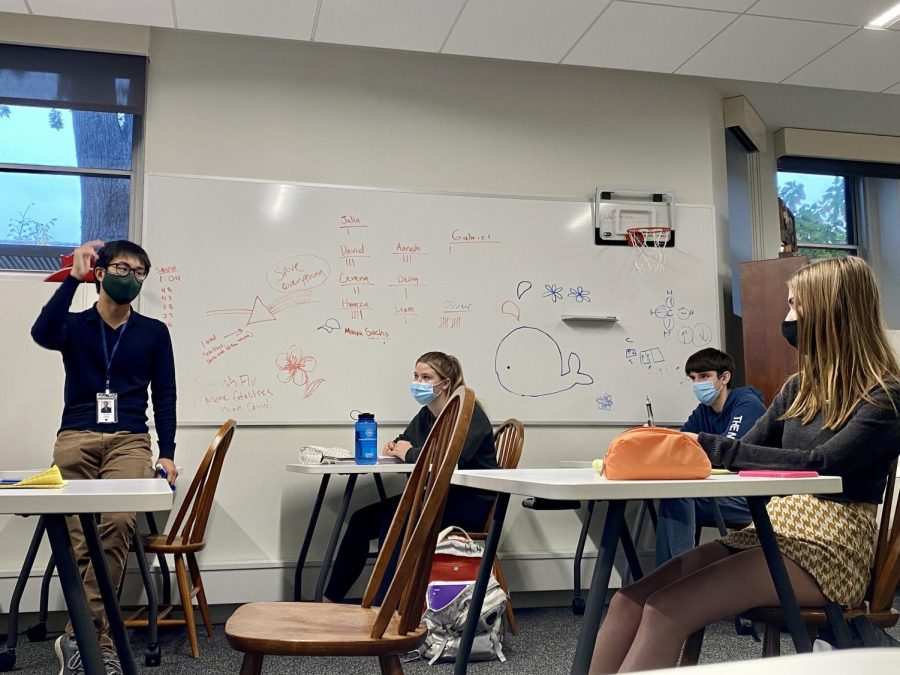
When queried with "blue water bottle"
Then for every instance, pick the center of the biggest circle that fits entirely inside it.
(366, 439)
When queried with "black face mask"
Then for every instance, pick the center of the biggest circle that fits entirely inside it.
(789, 330)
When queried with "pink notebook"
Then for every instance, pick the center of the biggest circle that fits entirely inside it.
(777, 473)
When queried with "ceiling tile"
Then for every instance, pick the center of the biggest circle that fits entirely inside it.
(647, 37)
(291, 19)
(525, 30)
(764, 50)
(869, 60)
(142, 12)
(17, 6)
(852, 12)
(416, 25)
(723, 5)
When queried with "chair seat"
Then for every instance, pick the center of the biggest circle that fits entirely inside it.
(156, 543)
(817, 617)
(315, 629)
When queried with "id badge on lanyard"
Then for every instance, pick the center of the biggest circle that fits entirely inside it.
(108, 402)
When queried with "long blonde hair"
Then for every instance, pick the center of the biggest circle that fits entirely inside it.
(842, 349)
(446, 366)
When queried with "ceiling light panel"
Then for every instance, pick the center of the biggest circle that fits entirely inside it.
(415, 25)
(764, 50)
(635, 36)
(868, 60)
(525, 30)
(291, 19)
(141, 12)
(852, 12)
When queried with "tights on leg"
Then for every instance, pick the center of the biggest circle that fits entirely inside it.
(648, 622)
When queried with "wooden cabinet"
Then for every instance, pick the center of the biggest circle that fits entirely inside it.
(768, 358)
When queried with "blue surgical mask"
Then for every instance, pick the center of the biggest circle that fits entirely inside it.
(422, 392)
(706, 392)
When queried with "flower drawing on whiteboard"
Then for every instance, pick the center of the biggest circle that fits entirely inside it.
(553, 292)
(580, 294)
(297, 368)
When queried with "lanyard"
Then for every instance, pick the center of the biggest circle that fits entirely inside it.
(107, 356)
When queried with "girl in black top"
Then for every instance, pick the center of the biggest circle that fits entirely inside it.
(838, 415)
(435, 376)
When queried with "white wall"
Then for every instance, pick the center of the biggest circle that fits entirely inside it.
(271, 109)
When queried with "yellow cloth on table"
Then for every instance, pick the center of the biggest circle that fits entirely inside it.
(51, 478)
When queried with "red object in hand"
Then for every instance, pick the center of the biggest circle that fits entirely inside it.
(66, 262)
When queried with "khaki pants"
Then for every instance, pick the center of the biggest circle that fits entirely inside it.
(88, 455)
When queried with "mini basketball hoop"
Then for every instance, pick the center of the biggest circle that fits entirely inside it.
(649, 244)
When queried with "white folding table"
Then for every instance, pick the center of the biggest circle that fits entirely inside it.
(326, 471)
(585, 484)
(84, 498)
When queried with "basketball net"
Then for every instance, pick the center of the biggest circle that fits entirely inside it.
(649, 246)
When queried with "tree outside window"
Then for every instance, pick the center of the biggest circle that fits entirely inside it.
(820, 207)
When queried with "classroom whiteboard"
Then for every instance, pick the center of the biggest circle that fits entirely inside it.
(292, 303)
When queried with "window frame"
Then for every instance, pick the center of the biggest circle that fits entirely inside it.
(80, 71)
(852, 184)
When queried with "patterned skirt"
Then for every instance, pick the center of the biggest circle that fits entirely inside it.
(833, 541)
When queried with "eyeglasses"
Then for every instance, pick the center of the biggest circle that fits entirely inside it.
(123, 270)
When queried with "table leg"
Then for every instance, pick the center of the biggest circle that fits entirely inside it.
(478, 592)
(612, 532)
(73, 590)
(107, 593)
(335, 533)
(634, 563)
(780, 578)
(307, 538)
(382, 495)
(161, 561)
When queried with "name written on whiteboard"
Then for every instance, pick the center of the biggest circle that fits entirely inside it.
(468, 237)
(370, 333)
(408, 251)
(237, 393)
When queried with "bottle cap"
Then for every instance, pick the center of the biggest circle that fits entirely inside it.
(366, 416)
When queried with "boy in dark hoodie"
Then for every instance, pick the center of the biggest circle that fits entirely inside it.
(724, 411)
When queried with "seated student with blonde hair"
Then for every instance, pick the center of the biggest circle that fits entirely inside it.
(435, 377)
(838, 415)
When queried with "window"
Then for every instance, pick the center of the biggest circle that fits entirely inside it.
(822, 208)
(69, 128)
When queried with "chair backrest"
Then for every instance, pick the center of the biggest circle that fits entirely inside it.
(886, 572)
(190, 523)
(508, 440)
(418, 518)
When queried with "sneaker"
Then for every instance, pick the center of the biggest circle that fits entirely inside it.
(113, 667)
(69, 657)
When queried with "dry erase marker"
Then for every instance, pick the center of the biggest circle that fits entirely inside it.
(165, 475)
(649, 413)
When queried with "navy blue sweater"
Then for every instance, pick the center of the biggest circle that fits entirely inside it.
(742, 408)
(144, 358)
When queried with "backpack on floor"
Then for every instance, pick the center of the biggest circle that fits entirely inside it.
(449, 594)
(445, 623)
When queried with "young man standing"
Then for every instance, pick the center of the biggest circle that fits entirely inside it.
(111, 355)
(723, 411)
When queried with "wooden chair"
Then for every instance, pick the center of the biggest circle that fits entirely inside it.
(877, 608)
(186, 538)
(508, 439)
(325, 629)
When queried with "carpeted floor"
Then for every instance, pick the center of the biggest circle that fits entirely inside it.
(545, 645)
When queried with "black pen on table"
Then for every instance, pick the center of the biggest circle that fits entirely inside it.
(649, 413)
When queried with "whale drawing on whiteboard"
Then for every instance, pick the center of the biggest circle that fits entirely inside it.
(529, 362)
